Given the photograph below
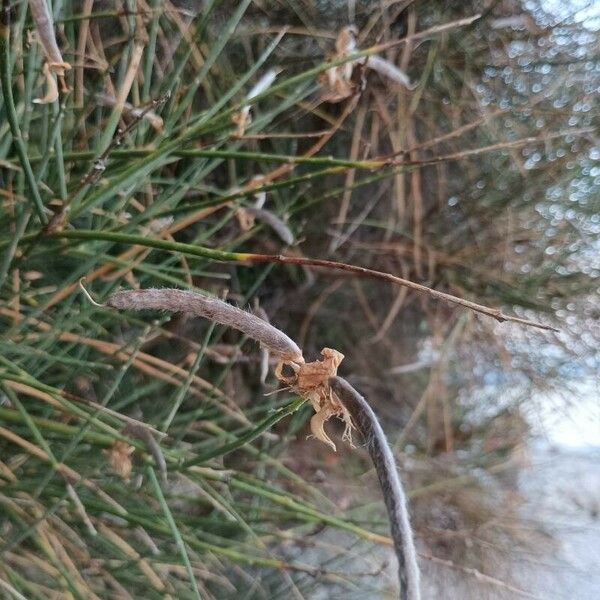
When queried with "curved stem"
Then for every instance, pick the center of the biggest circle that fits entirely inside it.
(393, 494)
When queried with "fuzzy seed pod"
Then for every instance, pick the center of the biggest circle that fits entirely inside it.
(214, 309)
(391, 485)
(44, 24)
(276, 224)
(389, 70)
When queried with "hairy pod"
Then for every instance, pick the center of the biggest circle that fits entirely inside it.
(194, 303)
(394, 497)
(44, 24)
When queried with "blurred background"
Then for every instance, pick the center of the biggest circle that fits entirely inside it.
(480, 178)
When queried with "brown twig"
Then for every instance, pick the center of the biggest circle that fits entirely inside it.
(482, 577)
(495, 313)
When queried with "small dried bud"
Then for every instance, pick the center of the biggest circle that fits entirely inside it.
(119, 455)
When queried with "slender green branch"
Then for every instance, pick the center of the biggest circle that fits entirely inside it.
(252, 258)
(230, 154)
(174, 530)
(11, 112)
(249, 436)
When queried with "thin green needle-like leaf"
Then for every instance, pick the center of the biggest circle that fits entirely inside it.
(174, 530)
(250, 435)
(11, 113)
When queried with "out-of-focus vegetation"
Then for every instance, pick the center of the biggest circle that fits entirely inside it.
(485, 187)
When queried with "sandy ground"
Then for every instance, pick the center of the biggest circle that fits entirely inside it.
(561, 488)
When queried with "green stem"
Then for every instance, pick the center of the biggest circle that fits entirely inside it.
(174, 530)
(10, 415)
(11, 112)
(250, 435)
(130, 153)
(124, 238)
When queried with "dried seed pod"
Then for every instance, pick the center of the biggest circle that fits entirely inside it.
(264, 83)
(136, 112)
(243, 118)
(214, 309)
(391, 486)
(274, 222)
(389, 70)
(44, 25)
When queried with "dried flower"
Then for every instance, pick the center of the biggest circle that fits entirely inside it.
(311, 380)
(338, 81)
(119, 455)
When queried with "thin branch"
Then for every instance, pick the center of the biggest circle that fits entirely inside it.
(243, 257)
(495, 313)
(482, 577)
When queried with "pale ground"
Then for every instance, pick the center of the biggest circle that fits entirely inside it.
(560, 487)
(562, 491)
